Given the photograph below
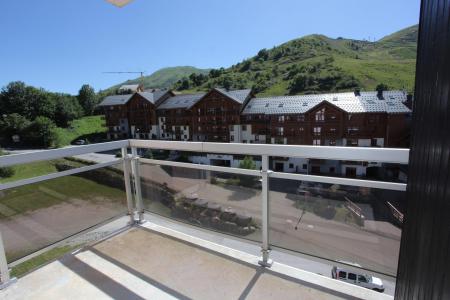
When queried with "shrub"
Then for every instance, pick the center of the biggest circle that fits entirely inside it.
(5, 171)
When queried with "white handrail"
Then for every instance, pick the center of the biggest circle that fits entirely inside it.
(387, 155)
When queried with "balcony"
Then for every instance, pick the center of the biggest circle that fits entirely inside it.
(145, 228)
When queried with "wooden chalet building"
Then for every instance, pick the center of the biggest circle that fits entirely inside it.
(133, 115)
(216, 116)
(365, 119)
(175, 117)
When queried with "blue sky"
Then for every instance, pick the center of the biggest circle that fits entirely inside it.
(61, 44)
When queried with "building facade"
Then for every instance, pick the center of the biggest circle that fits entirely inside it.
(363, 119)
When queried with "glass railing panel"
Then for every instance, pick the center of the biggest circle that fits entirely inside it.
(224, 202)
(37, 215)
(351, 225)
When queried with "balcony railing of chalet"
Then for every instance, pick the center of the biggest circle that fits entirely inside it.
(296, 211)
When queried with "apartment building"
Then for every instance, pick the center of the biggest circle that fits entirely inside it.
(133, 115)
(366, 119)
(216, 116)
(363, 119)
(175, 117)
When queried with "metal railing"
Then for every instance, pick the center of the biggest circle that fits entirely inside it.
(265, 151)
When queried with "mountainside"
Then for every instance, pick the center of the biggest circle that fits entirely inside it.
(317, 63)
(163, 78)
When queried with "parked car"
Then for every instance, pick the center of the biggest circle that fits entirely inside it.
(80, 142)
(364, 280)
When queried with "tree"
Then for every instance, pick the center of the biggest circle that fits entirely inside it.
(13, 124)
(380, 88)
(87, 99)
(249, 164)
(184, 84)
(67, 109)
(5, 171)
(298, 84)
(227, 82)
(263, 54)
(27, 101)
(41, 133)
(245, 66)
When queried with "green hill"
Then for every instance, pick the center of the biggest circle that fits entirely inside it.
(317, 63)
(163, 78)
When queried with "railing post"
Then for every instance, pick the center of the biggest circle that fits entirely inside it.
(137, 184)
(126, 174)
(265, 261)
(5, 279)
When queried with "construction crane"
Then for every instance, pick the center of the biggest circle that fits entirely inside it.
(130, 72)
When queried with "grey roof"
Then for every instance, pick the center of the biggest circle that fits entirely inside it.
(115, 100)
(131, 87)
(366, 102)
(237, 95)
(152, 97)
(181, 101)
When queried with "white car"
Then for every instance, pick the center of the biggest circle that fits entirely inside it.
(364, 280)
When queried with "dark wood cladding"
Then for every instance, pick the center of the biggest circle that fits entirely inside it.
(141, 114)
(213, 115)
(424, 263)
(335, 124)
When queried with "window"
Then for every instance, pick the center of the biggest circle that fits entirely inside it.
(244, 141)
(342, 274)
(231, 128)
(232, 138)
(316, 142)
(352, 130)
(291, 166)
(248, 118)
(332, 170)
(279, 130)
(301, 118)
(256, 138)
(244, 127)
(185, 136)
(280, 119)
(351, 276)
(361, 278)
(280, 105)
(317, 130)
(184, 127)
(332, 129)
(320, 115)
(305, 166)
(301, 129)
(199, 128)
(332, 143)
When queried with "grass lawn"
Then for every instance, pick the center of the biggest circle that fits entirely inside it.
(31, 170)
(89, 128)
(29, 265)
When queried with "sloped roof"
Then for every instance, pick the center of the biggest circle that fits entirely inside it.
(181, 101)
(115, 100)
(237, 95)
(366, 102)
(152, 97)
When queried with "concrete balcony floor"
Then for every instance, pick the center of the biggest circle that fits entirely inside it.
(146, 263)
